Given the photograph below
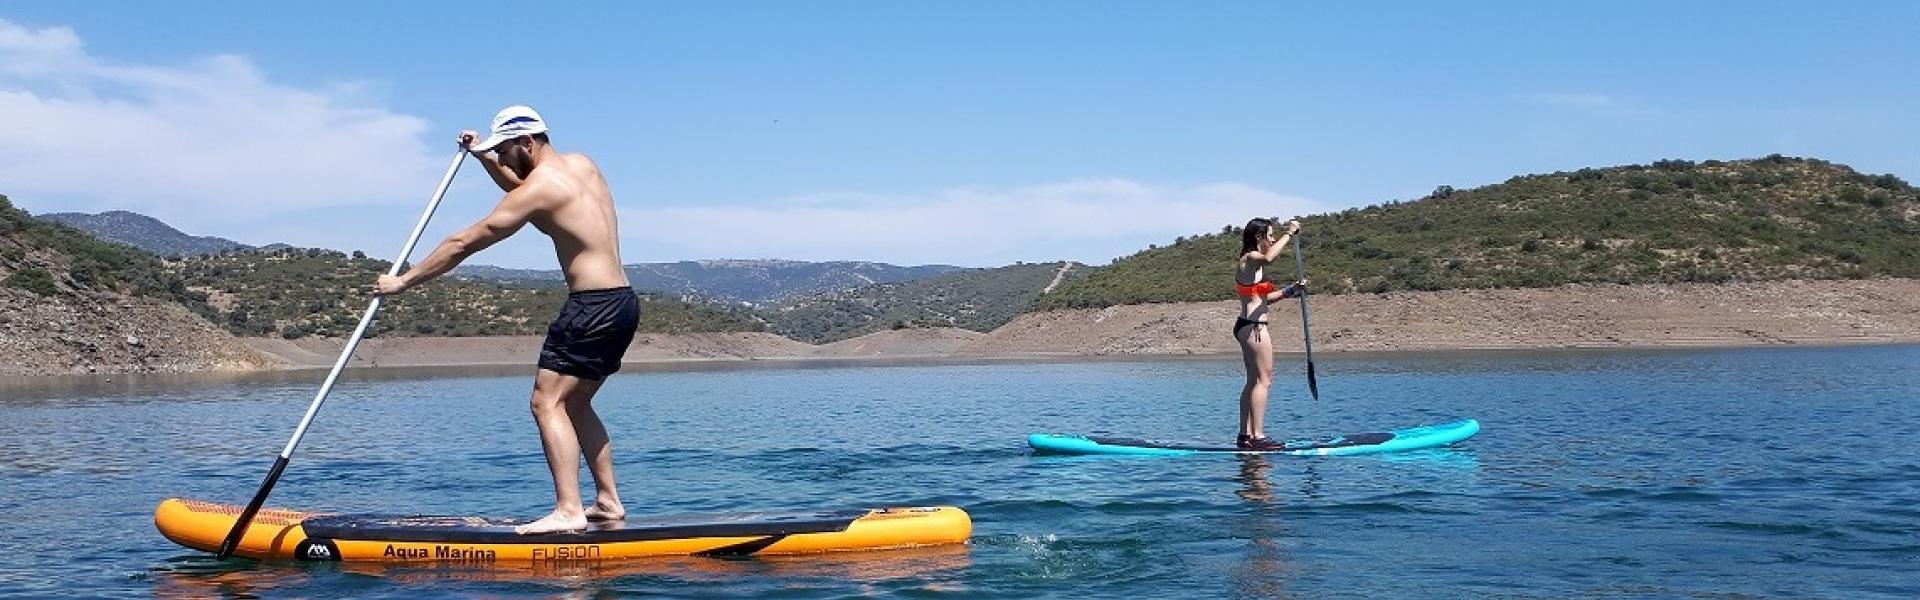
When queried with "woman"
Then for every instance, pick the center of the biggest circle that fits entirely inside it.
(1258, 248)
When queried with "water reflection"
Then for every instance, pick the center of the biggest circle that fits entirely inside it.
(203, 576)
(1266, 566)
(1264, 569)
(1462, 460)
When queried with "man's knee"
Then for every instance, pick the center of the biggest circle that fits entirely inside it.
(547, 400)
(576, 405)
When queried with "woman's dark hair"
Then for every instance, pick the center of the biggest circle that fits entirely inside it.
(1250, 237)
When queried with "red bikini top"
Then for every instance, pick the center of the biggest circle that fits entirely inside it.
(1252, 290)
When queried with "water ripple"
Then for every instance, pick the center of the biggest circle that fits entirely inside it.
(1677, 485)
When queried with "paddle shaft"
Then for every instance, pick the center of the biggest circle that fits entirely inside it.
(286, 454)
(1306, 332)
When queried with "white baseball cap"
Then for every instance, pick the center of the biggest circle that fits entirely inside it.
(512, 122)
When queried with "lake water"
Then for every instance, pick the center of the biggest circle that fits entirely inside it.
(1767, 473)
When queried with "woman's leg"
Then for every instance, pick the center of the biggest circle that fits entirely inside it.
(1256, 351)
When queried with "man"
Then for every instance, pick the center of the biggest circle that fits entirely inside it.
(565, 197)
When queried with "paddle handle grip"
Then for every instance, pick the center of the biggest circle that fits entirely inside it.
(239, 530)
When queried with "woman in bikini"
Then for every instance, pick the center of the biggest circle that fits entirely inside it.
(1258, 248)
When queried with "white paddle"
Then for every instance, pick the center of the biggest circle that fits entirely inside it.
(273, 476)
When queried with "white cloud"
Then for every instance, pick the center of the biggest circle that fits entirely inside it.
(214, 146)
(191, 141)
(1091, 221)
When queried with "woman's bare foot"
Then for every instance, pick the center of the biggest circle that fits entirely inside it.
(606, 511)
(554, 523)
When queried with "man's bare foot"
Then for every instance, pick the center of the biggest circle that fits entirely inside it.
(553, 523)
(606, 511)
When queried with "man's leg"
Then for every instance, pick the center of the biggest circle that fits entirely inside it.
(595, 446)
(562, 446)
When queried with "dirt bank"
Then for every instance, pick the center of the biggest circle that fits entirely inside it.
(110, 333)
(1578, 316)
(523, 349)
(119, 335)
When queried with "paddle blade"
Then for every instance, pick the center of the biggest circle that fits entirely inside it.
(1313, 384)
(246, 516)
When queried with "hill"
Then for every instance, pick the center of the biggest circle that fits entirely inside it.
(145, 233)
(975, 299)
(53, 260)
(1768, 219)
(294, 293)
(70, 303)
(748, 281)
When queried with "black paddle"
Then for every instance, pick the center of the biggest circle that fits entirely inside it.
(273, 476)
(1300, 266)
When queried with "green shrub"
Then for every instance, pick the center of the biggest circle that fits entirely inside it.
(33, 279)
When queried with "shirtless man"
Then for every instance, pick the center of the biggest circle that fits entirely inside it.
(565, 197)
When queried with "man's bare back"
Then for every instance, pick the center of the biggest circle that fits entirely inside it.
(582, 222)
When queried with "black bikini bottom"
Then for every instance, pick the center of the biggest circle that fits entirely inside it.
(1242, 323)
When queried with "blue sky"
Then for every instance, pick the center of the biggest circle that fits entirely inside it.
(977, 133)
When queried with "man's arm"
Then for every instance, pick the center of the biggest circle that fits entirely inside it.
(500, 174)
(509, 216)
(502, 177)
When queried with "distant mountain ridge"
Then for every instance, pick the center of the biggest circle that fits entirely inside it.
(975, 299)
(146, 233)
(755, 281)
(296, 293)
(759, 282)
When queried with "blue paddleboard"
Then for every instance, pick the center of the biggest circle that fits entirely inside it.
(1412, 438)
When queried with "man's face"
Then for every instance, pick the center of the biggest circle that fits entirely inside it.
(515, 156)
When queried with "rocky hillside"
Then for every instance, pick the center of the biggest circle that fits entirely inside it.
(294, 293)
(738, 281)
(145, 233)
(974, 299)
(1769, 219)
(70, 303)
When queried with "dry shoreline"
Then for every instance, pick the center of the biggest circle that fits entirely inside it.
(1577, 316)
(42, 339)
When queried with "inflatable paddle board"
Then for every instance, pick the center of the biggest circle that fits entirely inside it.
(286, 534)
(1413, 438)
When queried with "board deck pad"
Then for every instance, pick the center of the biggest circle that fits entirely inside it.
(496, 530)
(1412, 438)
(1356, 439)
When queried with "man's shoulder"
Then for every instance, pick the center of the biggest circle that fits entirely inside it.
(580, 160)
(545, 184)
